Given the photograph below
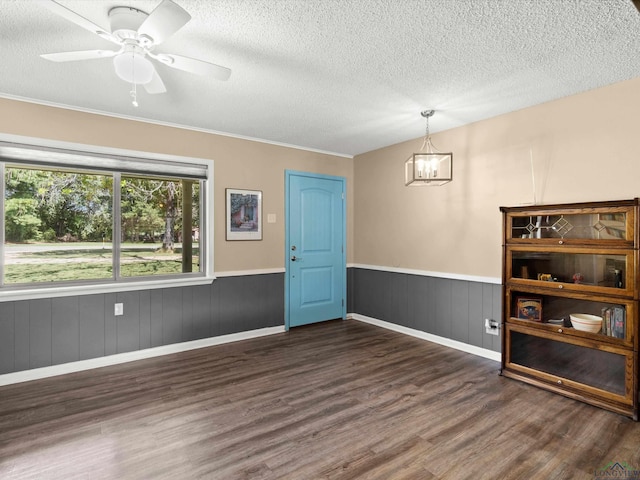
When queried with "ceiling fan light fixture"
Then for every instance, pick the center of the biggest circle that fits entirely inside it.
(133, 67)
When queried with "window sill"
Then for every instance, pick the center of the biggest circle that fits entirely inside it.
(69, 291)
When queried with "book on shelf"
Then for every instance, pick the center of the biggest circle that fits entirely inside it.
(614, 321)
(619, 321)
(605, 320)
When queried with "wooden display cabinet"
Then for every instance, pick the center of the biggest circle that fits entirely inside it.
(560, 260)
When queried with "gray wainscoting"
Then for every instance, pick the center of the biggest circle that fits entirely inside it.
(51, 331)
(453, 309)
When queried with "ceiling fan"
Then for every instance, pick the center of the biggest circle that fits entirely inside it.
(137, 34)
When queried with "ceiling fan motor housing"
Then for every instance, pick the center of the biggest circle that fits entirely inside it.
(125, 22)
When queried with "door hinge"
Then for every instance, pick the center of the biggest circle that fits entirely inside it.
(343, 195)
(343, 302)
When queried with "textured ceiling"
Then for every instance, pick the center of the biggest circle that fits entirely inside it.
(342, 76)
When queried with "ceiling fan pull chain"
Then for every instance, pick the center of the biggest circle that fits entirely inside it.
(134, 90)
(134, 96)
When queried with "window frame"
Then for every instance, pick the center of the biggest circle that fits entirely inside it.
(99, 154)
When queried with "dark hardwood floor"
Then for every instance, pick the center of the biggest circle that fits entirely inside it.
(338, 400)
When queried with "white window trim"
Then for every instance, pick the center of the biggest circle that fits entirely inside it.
(129, 285)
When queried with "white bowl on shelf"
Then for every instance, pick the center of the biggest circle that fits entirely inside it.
(586, 322)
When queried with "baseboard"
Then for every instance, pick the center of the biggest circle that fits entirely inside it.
(447, 342)
(62, 369)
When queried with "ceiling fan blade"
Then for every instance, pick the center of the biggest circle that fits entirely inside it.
(79, 55)
(79, 20)
(165, 20)
(155, 85)
(191, 65)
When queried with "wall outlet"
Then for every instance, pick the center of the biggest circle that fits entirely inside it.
(492, 327)
(118, 309)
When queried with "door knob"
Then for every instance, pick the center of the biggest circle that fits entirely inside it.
(293, 258)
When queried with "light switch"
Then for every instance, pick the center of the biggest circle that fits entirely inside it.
(118, 309)
(271, 218)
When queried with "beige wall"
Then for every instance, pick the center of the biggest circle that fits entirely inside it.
(584, 148)
(238, 164)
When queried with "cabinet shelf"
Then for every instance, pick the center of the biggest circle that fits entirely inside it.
(559, 306)
(567, 329)
(562, 260)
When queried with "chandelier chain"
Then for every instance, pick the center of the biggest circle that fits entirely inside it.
(427, 114)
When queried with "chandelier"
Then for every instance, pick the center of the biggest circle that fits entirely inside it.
(428, 166)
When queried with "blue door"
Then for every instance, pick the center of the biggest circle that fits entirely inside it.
(315, 286)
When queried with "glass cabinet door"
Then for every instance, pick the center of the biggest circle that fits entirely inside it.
(612, 225)
(574, 269)
(603, 371)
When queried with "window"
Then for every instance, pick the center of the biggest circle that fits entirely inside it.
(93, 218)
(57, 226)
(160, 226)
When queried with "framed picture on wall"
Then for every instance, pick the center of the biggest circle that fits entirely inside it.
(244, 214)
